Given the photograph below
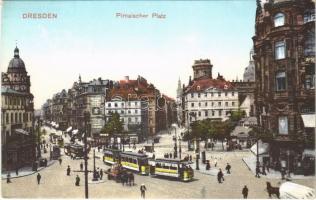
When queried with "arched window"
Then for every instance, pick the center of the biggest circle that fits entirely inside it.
(279, 19)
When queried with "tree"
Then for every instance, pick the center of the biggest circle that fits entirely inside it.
(113, 126)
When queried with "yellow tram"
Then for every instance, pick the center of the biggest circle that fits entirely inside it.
(135, 161)
(171, 168)
(111, 156)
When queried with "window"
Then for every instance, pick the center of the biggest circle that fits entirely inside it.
(309, 77)
(115, 104)
(279, 19)
(129, 103)
(20, 117)
(283, 125)
(122, 119)
(227, 113)
(136, 119)
(212, 94)
(280, 50)
(136, 111)
(205, 104)
(213, 112)
(226, 103)
(129, 111)
(280, 81)
(122, 111)
(7, 118)
(219, 113)
(192, 104)
(309, 44)
(219, 103)
(122, 104)
(219, 94)
(199, 114)
(16, 117)
(192, 95)
(233, 103)
(199, 95)
(205, 94)
(225, 94)
(309, 16)
(206, 113)
(233, 93)
(129, 119)
(199, 104)
(136, 103)
(212, 103)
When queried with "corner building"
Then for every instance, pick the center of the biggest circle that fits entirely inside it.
(284, 46)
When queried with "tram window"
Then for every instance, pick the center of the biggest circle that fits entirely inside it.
(166, 167)
(134, 161)
(158, 165)
(173, 168)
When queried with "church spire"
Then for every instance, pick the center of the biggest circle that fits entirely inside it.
(16, 52)
(79, 78)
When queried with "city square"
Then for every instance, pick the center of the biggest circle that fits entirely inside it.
(179, 105)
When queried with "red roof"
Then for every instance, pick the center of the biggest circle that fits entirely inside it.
(206, 83)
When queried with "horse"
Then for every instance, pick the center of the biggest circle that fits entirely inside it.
(273, 190)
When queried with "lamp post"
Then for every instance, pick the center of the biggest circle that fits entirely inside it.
(38, 139)
(180, 150)
(175, 141)
(86, 120)
(95, 178)
(197, 154)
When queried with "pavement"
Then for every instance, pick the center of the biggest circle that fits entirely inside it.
(251, 160)
(55, 183)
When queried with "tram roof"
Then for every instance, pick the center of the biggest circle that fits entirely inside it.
(170, 160)
(134, 154)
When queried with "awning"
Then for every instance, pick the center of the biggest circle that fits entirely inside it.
(309, 120)
(69, 129)
(263, 148)
(309, 153)
(75, 131)
(21, 131)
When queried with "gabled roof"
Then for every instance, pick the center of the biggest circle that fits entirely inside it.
(204, 83)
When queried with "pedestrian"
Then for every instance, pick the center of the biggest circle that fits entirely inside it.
(9, 178)
(170, 155)
(190, 157)
(143, 190)
(101, 174)
(81, 166)
(17, 171)
(60, 161)
(77, 181)
(154, 156)
(215, 162)
(264, 169)
(208, 166)
(131, 177)
(38, 178)
(220, 176)
(68, 170)
(283, 173)
(228, 167)
(257, 171)
(245, 192)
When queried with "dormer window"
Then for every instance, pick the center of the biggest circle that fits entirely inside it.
(279, 20)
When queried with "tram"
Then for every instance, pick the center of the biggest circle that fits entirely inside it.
(74, 150)
(111, 156)
(135, 161)
(171, 168)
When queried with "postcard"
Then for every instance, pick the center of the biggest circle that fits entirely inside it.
(211, 99)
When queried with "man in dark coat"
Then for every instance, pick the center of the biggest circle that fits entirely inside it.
(38, 178)
(257, 171)
(60, 161)
(101, 174)
(245, 192)
(9, 178)
(68, 170)
(220, 176)
(77, 181)
(143, 190)
(228, 167)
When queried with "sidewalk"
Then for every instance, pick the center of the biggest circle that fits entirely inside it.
(212, 172)
(25, 171)
(272, 174)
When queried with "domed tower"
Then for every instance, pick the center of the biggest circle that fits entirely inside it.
(17, 77)
(202, 68)
(249, 74)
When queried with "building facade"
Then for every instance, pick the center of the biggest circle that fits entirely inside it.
(17, 121)
(284, 47)
(205, 97)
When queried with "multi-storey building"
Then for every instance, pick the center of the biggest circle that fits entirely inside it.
(17, 109)
(284, 46)
(205, 97)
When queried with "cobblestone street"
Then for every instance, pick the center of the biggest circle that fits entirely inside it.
(55, 183)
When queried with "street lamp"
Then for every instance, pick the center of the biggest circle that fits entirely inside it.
(86, 120)
(175, 141)
(38, 139)
(197, 154)
(95, 178)
(180, 151)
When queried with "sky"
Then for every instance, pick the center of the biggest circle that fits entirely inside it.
(88, 39)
